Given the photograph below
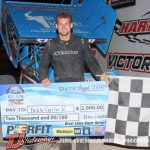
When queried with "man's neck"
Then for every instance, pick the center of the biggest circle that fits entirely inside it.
(65, 38)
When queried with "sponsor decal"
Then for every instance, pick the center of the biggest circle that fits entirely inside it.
(58, 53)
(86, 130)
(135, 30)
(141, 26)
(77, 131)
(121, 3)
(39, 19)
(16, 135)
(15, 95)
(63, 131)
(135, 62)
(28, 129)
(13, 40)
(99, 130)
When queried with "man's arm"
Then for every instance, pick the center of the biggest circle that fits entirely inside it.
(44, 65)
(90, 60)
(93, 64)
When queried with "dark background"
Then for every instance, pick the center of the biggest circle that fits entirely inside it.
(46, 1)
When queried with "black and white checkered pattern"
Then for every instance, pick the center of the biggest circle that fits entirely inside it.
(128, 120)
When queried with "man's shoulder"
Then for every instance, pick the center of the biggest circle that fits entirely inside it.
(50, 41)
(54, 39)
(79, 39)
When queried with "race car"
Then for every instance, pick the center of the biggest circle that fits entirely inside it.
(27, 25)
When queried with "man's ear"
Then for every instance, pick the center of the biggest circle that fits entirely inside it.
(71, 25)
(56, 26)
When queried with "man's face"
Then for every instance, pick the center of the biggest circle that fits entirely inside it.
(64, 26)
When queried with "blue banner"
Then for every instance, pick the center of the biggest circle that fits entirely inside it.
(63, 110)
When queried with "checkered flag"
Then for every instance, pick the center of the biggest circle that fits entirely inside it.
(128, 120)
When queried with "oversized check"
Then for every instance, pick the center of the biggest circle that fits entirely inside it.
(61, 110)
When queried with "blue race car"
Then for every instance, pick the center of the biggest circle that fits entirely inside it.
(27, 25)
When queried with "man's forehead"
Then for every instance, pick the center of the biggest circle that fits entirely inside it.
(64, 20)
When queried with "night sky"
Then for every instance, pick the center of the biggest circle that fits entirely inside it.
(45, 1)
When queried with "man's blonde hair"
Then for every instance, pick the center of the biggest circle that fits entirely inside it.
(63, 15)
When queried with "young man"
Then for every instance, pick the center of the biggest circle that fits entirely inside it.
(67, 54)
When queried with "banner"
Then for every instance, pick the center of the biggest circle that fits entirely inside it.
(129, 111)
(129, 48)
(63, 110)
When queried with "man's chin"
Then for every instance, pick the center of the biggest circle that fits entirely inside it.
(64, 33)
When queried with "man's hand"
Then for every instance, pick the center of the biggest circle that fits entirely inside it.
(105, 78)
(46, 82)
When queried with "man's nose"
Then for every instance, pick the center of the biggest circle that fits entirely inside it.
(63, 26)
